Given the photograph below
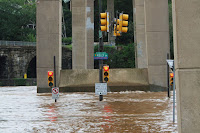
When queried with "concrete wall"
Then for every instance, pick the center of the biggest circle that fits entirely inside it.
(17, 59)
(140, 34)
(187, 64)
(157, 40)
(118, 78)
(49, 28)
(82, 34)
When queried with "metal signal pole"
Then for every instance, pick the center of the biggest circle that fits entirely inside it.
(100, 49)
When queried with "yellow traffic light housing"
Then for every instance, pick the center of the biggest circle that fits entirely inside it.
(106, 73)
(116, 28)
(50, 78)
(123, 22)
(171, 78)
(104, 21)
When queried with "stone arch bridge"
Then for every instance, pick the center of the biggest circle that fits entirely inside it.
(18, 58)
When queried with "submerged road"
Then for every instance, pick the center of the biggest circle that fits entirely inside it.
(23, 110)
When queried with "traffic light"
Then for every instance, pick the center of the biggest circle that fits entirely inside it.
(104, 21)
(171, 78)
(116, 28)
(106, 73)
(50, 78)
(123, 23)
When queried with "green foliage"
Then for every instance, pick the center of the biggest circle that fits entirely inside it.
(20, 82)
(15, 16)
(68, 19)
(123, 57)
(31, 37)
(68, 46)
(67, 40)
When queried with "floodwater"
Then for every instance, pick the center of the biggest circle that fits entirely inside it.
(23, 110)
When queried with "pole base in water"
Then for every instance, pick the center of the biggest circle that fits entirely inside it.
(100, 97)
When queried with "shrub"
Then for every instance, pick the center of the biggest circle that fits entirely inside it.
(20, 82)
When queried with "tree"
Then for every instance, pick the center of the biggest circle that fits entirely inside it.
(16, 18)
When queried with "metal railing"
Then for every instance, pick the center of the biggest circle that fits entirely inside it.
(17, 43)
(20, 43)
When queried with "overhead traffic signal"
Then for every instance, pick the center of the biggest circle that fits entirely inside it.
(171, 78)
(106, 73)
(50, 78)
(104, 21)
(123, 23)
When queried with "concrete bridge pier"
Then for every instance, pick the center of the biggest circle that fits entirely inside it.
(141, 48)
(82, 34)
(157, 41)
(49, 28)
(187, 64)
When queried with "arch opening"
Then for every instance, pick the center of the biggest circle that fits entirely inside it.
(31, 71)
(3, 68)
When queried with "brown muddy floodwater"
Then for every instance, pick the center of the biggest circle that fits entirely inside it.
(23, 110)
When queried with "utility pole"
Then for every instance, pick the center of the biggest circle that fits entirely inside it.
(100, 49)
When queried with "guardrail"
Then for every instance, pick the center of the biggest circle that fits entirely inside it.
(17, 43)
(20, 43)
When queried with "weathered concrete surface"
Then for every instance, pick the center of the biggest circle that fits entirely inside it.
(110, 9)
(157, 40)
(121, 79)
(187, 54)
(82, 34)
(140, 34)
(48, 40)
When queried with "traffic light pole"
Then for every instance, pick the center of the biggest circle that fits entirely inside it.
(100, 50)
(168, 87)
(54, 63)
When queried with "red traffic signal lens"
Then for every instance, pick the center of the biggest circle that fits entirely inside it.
(171, 75)
(50, 73)
(106, 68)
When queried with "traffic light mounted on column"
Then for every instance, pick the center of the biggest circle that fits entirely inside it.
(106, 73)
(104, 21)
(171, 78)
(116, 28)
(123, 23)
(50, 78)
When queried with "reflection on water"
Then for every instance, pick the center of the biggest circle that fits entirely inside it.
(107, 118)
(23, 110)
(52, 114)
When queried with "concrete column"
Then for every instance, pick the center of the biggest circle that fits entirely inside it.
(49, 34)
(187, 64)
(82, 34)
(140, 34)
(157, 41)
(110, 9)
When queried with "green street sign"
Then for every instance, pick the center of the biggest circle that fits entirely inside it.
(100, 56)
